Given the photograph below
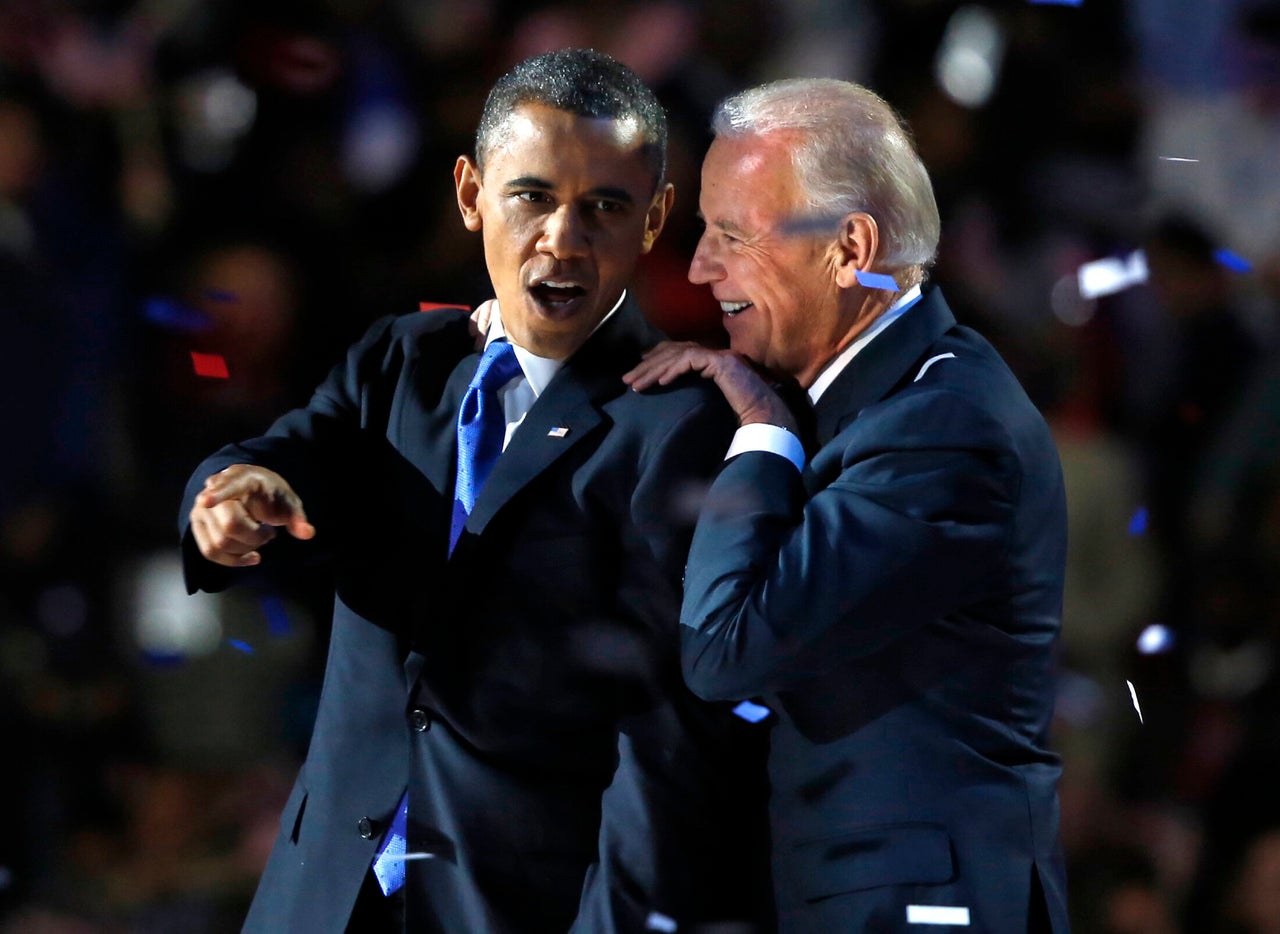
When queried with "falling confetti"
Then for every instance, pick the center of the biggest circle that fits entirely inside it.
(1176, 159)
(1233, 261)
(938, 914)
(6, 878)
(1155, 639)
(277, 616)
(657, 921)
(1134, 694)
(436, 306)
(877, 280)
(405, 857)
(1112, 274)
(240, 646)
(209, 364)
(175, 316)
(1138, 521)
(752, 713)
(221, 295)
(807, 225)
(1058, 2)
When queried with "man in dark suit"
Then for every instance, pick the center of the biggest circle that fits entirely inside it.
(896, 598)
(505, 649)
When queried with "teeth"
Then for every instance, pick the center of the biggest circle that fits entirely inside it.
(732, 308)
(568, 284)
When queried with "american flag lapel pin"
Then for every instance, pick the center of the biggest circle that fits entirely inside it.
(558, 432)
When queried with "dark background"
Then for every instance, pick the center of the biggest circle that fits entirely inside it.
(262, 180)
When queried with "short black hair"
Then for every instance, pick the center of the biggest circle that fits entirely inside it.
(582, 82)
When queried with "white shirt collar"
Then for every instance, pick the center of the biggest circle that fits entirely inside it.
(538, 371)
(841, 360)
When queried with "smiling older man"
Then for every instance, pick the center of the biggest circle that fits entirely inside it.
(896, 600)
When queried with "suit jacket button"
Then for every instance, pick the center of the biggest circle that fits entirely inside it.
(366, 828)
(420, 720)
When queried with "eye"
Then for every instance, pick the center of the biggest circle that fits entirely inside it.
(532, 196)
(606, 206)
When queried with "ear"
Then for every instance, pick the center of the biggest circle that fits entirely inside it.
(466, 179)
(659, 208)
(859, 248)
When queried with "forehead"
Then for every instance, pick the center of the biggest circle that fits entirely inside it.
(552, 143)
(751, 175)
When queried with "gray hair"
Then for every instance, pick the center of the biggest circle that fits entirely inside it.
(855, 155)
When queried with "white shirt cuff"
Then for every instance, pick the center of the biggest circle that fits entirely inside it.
(771, 438)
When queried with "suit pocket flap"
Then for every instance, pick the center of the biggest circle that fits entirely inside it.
(866, 857)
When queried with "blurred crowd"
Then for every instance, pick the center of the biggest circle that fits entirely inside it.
(261, 180)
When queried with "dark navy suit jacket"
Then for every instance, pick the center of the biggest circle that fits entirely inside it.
(898, 606)
(526, 689)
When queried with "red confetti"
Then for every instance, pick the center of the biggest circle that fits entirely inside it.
(209, 364)
(436, 306)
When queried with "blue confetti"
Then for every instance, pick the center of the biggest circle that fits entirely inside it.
(805, 225)
(1058, 2)
(164, 659)
(277, 617)
(877, 280)
(240, 646)
(171, 314)
(1233, 261)
(1138, 522)
(221, 295)
(1155, 639)
(752, 713)
(657, 921)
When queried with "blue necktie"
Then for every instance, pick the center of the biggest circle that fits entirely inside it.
(482, 426)
(481, 429)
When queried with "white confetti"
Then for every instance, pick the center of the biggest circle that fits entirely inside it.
(1134, 695)
(1112, 274)
(1176, 159)
(1155, 639)
(407, 856)
(657, 921)
(937, 914)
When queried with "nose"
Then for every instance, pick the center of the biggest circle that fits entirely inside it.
(565, 233)
(705, 266)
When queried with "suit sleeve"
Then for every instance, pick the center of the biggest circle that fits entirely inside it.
(782, 587)
(315, 448)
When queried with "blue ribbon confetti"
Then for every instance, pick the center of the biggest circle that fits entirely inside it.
(277, 616)
(175, 316)
(752, 713)
(1138, 522)
(1233, 261)
(240, 646)
(877, 280)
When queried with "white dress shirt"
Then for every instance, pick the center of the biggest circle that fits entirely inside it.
(776, 440)
(519, 394)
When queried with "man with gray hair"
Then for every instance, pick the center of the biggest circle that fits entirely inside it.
(894, 599)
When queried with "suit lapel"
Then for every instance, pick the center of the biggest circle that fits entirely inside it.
(569, 409)
(880, 365)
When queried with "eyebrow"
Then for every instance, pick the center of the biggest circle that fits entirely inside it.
(727, 226)
(541, 184)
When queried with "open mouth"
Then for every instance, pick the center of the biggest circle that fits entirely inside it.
(555, 292)
(733, 308)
